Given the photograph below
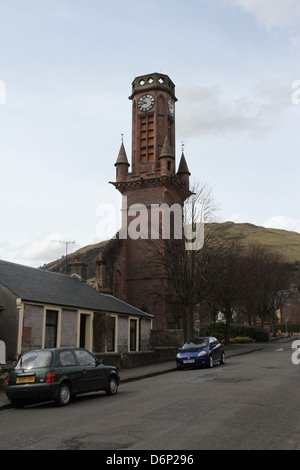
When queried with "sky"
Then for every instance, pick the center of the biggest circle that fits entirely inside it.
(66, 69)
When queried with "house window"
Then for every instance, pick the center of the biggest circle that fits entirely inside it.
(133, 335)
(111, 334)
(51, 329)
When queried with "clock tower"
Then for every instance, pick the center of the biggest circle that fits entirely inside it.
(123, 266)
(153, 119)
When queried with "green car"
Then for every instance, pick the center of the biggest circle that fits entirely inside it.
(58, 374)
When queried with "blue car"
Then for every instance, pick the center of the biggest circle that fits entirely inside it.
(204, 351)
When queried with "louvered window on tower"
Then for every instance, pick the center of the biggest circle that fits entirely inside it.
(147, 138)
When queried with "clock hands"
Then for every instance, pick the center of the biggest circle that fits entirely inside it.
(146, 102)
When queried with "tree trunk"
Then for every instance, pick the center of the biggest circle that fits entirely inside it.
(189, 327)
(227, 325)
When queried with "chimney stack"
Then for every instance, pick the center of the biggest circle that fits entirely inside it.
(78, 268)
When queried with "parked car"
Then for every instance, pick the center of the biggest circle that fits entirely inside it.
(58, 374)
(204, 351)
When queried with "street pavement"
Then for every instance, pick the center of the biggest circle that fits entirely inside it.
(137, 373)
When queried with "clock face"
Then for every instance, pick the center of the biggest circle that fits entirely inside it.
(171, 107)
(146, 102)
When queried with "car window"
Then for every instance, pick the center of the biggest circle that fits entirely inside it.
(196, 343)
(66, 358)
(35, 360)
(85, 358)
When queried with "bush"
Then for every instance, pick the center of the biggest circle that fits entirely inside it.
(212, 329)
(217, 329)
(256, 333)
(293, 327)
(241, 339)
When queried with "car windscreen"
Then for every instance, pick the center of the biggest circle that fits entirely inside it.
(196, 343)
(35, 360)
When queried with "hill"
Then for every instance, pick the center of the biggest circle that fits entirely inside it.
(286, 243)
(86, 254)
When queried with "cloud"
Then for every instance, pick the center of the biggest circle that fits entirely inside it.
(273, 15)
(208, 110)
(283, 222)
(42, 250)
(46, 248)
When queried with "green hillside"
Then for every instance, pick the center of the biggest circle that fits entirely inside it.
(285, 242)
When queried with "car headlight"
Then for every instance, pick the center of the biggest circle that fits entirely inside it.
(202, 353)
(178, 356)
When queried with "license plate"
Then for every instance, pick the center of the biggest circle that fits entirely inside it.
(189, 361)
(29, 378)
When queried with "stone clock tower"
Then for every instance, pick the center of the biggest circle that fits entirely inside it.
(153, 120)
(123, 267)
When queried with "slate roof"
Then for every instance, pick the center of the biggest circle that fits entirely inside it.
(38, 285)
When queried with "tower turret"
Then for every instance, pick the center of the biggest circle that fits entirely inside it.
(121, 164)
(183, 171)
(167, 158)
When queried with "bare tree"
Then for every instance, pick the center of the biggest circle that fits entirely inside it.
(219, 276)
(267, 274)
(227, 281)
(184, 280)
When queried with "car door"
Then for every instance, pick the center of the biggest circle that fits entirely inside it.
(93, 376)
(68, 367)
(215, 348)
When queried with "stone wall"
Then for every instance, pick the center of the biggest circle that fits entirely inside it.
(166, 338)
(32, 327)
(130, 360)
(68, 333)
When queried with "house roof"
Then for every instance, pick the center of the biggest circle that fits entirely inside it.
(38, 285)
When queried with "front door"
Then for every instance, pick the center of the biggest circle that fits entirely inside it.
(85, 331)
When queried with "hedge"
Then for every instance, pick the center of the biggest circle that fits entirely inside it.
(293, 327)
(218, 329)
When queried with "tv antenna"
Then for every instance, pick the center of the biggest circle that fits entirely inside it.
(65, 242)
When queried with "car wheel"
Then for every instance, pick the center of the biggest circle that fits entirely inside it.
(211, 362)
(64, 395)
(112, 386)
(223, 359)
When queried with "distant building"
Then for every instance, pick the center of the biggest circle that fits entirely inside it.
(290, 305)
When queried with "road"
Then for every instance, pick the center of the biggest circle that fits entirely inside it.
(252, 402)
